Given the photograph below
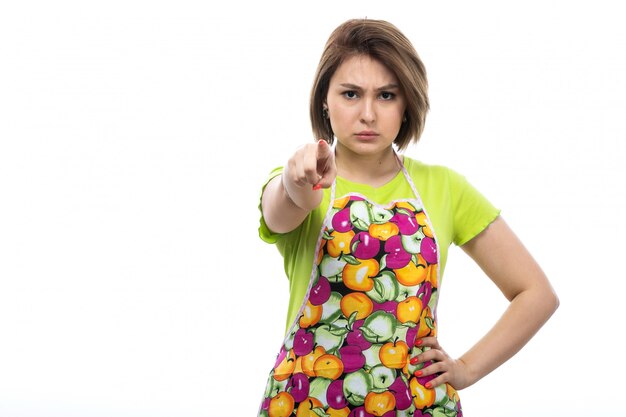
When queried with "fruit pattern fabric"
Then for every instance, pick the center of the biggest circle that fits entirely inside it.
(374, 291)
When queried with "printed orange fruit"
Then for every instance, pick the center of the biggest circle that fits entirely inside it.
(379, 403)
(311, 315)
(412, 274)
(383, 231)
(340, 243)
(305, 409)
(359, 277)
(409, 309)
(286, 367)
(422, 397)
(394, 354)
(328, 366)
(281, 405)
(356, 301)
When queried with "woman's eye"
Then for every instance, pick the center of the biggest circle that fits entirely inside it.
(387, 96)
(350, 94)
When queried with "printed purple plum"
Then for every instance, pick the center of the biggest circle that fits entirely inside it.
(356, 338)
(364, 245)
(428, 250)
(341, 220)
(402, 393)
(334, 395)
(397, 257)
(320, 292)
(407, 224)
(302, 342)
(352, 358)
(298, 387)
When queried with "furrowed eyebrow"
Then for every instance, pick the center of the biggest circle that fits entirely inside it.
(383, 88)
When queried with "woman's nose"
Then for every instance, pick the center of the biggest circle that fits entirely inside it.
(368, 113)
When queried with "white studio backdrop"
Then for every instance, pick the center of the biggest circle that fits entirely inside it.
(135, 136)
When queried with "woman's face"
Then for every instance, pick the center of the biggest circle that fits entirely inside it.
(365, 105)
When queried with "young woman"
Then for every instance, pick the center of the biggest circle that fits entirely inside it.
(365, 232)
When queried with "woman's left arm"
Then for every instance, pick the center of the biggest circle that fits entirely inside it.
(505, 260)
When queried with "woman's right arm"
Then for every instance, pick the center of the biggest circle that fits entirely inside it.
(289, 197)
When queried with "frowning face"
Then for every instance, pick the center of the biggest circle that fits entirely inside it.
(365, 105)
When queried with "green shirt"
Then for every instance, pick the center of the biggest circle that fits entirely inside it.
(458, 212)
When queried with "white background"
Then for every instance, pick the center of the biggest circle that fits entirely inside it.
(135, 136)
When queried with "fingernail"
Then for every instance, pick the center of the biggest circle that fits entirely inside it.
(419, 342)
(317, 187)
(417, 373)
(428, 385)
(414, 360)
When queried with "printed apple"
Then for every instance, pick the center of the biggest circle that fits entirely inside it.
(364, 245)
(328, 366)
(331, 267)
(405, 220)
(341, 220)
(397, 257)
(360, 215)
(281, 405)
(320, 292)
(412, 242)
(298, 387)
(340, 243)
(379, 403)
(309, 408)
(385, 287)
(285, 367)
(400, 390)
(356, 385)
(371, 355)
(334, 395)
(409, 310)
(355, 336)
(379, 327)
(331, 309)
(383, 231)
(359, 277)
(412, 274)
(428, 249)
(318, 388)
(329, 337)
(352, 358)
(380, 215)
(394, 354)
(382, 377)
(303, 342)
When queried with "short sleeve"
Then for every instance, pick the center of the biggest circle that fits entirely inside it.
(264, 232)
(472, 211)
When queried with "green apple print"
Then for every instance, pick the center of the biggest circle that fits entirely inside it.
(379, 326)
(385, 288)
(360, 214)
(356, 386)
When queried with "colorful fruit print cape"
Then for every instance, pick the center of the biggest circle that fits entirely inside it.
(373, 291)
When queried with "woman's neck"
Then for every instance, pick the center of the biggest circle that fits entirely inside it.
(374, 169)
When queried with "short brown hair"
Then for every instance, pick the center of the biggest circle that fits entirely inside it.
(384, 42)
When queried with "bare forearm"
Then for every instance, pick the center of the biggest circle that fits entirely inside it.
(284, 210)
(525, 315)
